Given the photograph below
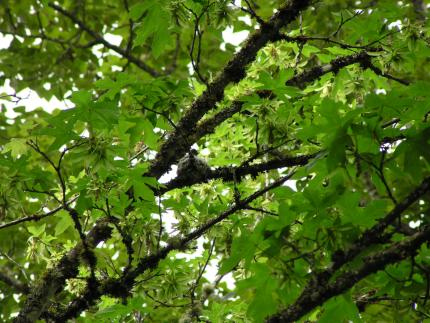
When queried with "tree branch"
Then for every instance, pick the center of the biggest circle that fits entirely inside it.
(334, 66)
(228, 173)
(177, 144)
(371, 236)
(122, 286)
(54, 279)
(36, 217)
(97, 37)
(6, 276)
(310, 299)
(420, 9)
(208, 126)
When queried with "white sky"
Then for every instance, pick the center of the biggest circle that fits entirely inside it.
(32, 101)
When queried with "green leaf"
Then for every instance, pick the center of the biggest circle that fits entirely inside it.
(16, 147)
(155, 23)
(150, 138)
(37, 231)
(338, 51)
(340, 309)
(367, 145)
(242, 248)
(141, 190)
(81, 98)
(263, 303)
(64, 223)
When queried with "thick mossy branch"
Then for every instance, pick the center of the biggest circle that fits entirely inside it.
(121, 287)
(53, 281)
(227, 174)
(177, 144)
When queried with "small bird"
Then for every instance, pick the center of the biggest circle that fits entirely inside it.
(190, 166)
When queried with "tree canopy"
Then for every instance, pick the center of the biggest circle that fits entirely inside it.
(314, 204)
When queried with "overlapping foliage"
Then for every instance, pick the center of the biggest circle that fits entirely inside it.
(316, 130)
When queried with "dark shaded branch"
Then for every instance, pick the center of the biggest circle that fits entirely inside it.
(6, 276)
(304, 39)
(379, 72)
(208, 126)
(334, 66)
(371, 264)
(121, 287)
(228, 173)
(420, 9)
(341, 257)
(373, 234)
(97, 37)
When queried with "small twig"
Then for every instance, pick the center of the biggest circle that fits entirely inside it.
(380, 172)
(198, 33)
(383, 179)
(379, 72)
(15, 96)
(261, 210)
(140, 152)
(164, 303)
(257, 131)
(173, 66)
(201, 272)
(52, 195)
(36, 217)
(160, 229)
(427, 274)
(250, 11)
(390, 123)
(123, 52)
(88, 253)
(301, 45)
(36, 148)
(343, 22)
(262, 152)
(129, 45)
(235, 181)
(163, 114)
(126, 239)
